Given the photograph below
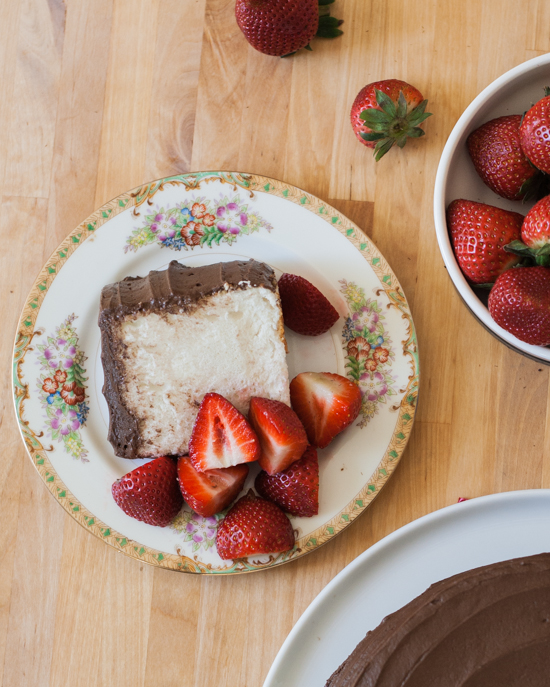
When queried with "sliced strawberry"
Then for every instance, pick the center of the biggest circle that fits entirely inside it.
(254, 525)
(282, 436)
(326, 403)
(305, 309)
(150, 493)
(221, 436)
(296, 489)
(212, 491)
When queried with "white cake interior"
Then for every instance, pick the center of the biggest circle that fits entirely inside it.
(230, 344)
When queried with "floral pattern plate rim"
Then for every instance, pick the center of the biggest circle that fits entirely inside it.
(207, 217)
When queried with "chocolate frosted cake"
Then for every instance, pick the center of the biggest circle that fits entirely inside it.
(488, 627)
(169, 338)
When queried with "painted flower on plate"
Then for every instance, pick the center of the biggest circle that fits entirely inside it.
(62, 387)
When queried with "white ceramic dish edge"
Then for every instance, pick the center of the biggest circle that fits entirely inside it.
(408, 531)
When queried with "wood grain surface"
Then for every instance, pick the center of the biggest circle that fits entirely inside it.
(99, 96)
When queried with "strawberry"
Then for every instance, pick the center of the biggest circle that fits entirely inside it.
(296, 489)
(282, 436)
(388, 112)
(479, 233)
(254, 525)
(535, 231)
(534, 133)
(520, 303)
(150, 493)
(221, 436)
(211, 491)
(326, 403)
(281, 27)
(305, 309)
(499, 160)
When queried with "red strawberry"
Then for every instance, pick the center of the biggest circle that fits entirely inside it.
(305, 309)
(221, 436)
(281, 27)
(254, 525)
(499, 160)
(534, 133)
(326, 403)
(296, 489)
(520, 303)
(150, 493)
(535, 231)
(211, 491)
(479, 233)
(388, 112)
(282, 436)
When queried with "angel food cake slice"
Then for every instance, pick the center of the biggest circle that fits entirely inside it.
(169, 338)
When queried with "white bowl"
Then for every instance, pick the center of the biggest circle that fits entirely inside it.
(512, 93)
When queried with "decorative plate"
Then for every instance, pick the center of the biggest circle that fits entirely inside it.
(199, 219)
(402, 566)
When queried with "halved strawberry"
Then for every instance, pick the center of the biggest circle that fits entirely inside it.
(282, 436)
(326, 403)
(305, 309)
(211, 491)
(150, 493)
(254, 525)
(221, 436)
(296, 489)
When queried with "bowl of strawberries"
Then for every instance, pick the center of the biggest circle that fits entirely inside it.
(492, 208)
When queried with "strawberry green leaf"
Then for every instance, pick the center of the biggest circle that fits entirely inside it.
(401, 105)
(382, 147)
(371, 136)
(325, 2)
(328, 32)
(386, 103)
(519, 248)
(372, 117)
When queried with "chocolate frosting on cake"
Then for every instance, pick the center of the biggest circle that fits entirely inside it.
(176, 289)
(488, 627)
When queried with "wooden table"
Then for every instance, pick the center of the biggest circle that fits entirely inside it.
(99, 96)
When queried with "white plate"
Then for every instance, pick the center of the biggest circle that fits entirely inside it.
(512, 93)
(400, 567)
(234, 216)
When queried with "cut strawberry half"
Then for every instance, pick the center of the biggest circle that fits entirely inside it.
(305, 309)
(282, 436)
(211, 491)
(150, 493)
(254, 525)
(296, 489)
(221, 436)
(326, 403)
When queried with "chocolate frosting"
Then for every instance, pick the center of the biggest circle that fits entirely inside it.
(488, 627)
(176, 289)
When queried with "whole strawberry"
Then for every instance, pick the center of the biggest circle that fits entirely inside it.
(296, 489)
(281, 27)
(150, 493)
(305, 309)
(520, 303)
(479, 233)
(534, 133)
(388, 112)
(500, 161)
(254, 525)
(535, 231)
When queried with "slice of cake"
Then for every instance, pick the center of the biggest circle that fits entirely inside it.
(488, 627)
(171, 337)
